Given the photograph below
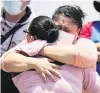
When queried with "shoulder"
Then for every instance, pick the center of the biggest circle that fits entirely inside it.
(85, 41)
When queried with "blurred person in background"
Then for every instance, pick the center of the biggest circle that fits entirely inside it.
(15, 17)
(91, 30)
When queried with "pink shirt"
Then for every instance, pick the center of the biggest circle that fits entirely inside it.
(86, 55)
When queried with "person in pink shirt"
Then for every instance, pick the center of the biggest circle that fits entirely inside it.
(69, 80)
(66, 17)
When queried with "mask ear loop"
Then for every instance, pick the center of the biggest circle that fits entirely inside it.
(76, 37)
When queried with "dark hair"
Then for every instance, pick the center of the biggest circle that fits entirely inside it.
(73, 12)
(44, 28)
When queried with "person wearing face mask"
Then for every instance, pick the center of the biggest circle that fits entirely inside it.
(66, 19)
(77, 55)
(91, 30)
(15, 17)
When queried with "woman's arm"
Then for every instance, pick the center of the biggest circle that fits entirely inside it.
(64, 54)
(82, 54)
(14, 62)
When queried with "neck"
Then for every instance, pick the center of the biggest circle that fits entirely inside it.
(14, 18)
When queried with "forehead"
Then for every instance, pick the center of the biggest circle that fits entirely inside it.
(67, 24)
(64, 19)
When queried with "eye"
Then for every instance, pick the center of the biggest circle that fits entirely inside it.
(59, 27)
(66, 29)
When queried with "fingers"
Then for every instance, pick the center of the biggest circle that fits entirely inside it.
(55, 72)
(44, 77)
(49, 74)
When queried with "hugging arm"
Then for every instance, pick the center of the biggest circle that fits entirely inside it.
(82, 54)
(15, 62)
(12, 61)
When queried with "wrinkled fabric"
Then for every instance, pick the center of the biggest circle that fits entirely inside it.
(31, 82)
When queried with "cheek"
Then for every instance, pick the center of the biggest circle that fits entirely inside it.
(74, 31)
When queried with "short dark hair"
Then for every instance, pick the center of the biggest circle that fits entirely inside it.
(44, 28)
(73, 12)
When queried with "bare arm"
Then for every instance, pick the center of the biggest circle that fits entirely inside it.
(14, 62)
(82, 54)
(64, 54)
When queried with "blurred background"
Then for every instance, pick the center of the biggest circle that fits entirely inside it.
(47, 7)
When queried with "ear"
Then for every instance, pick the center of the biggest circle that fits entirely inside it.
(29, 38)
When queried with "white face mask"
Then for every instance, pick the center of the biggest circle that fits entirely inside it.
(65, 37)
(12, 7)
